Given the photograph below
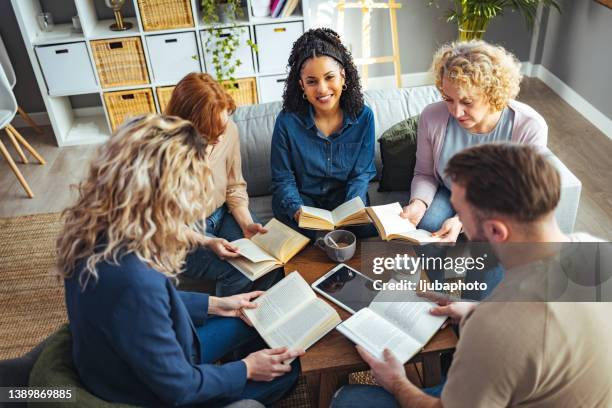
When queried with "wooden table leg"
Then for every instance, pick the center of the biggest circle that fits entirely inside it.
(313, 384)
(330, 383)
(322, 387)
(432, 369)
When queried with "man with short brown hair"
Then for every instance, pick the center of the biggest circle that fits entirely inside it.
(510, 353)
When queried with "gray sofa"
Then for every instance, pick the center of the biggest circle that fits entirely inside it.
(256, 123)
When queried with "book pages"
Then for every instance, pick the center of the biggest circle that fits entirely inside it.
(346, 210)
(251, 251)
(279, 301)
(253, 270)
(389, 216)
(306, 326)
(374, 333)
(313, 212)
(420, 236)
(274, 240)
(409, 313)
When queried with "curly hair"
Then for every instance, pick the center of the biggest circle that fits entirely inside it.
(479, 65)
(142, 193)
(316, 43)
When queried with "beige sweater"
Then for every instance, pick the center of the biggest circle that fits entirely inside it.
(532, 353)
(228, 185)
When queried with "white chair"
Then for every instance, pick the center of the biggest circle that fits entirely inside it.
(8, 110)
(5, 63)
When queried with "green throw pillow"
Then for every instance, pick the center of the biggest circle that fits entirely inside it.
(54, 368)
(398, 152)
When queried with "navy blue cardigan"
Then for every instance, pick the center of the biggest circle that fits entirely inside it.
(134, 339)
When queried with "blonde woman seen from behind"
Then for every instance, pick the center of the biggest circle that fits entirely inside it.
(136, 339)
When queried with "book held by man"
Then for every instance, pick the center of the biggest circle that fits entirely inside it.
(352, 212)
(266, 252)
(402, 323)
(391, 225)
(290, 314)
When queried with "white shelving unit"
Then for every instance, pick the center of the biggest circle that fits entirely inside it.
(74, 126)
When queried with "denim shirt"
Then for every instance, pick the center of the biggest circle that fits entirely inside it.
(327, 170)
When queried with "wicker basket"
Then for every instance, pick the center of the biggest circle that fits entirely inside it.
(121, 105)
(120, 62)
(163, 96)
(244, 91)
(165, 14)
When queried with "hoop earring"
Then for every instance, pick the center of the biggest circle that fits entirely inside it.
(304, 95)
(344, 87)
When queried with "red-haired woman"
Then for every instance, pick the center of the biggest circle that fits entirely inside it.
(199, 99)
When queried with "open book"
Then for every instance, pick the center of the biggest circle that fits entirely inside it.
(265, 252)
(352, 212)
(291, 315)
(403, 325)
(391, 226)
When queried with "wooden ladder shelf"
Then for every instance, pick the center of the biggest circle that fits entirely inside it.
(366, 59)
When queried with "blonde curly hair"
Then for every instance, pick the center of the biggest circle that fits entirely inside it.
(143, 192)
(478, 65)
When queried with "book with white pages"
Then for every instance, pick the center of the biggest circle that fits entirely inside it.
(352, 212)
(402, 323)
(263, 253)
(291, 315)
(391, 225)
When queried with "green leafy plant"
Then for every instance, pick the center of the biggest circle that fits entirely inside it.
(223, 37)
(473, 16)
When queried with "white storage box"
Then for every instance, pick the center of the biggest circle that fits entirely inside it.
(172, 56)
(271, 88)
(243, 52)
(67, 69)
(273, 58)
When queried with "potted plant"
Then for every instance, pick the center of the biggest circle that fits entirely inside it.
(473, 16)
(223, 37)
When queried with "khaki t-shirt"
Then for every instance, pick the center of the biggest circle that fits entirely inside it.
(532, 354)
(228, 185)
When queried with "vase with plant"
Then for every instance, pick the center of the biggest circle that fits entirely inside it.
(223, 37)
(473, 16)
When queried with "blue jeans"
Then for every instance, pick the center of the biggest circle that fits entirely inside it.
(371, 396)
(360, 231)
(439, 211)
(220, 336)
(202, 263)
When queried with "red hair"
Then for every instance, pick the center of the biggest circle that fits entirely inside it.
(200, 99)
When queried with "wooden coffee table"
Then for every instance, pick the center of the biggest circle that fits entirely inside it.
(327, 364)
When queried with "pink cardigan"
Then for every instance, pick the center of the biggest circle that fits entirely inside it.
(529, 127)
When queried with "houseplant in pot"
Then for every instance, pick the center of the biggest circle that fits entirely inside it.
(223, 37)
(473, 16)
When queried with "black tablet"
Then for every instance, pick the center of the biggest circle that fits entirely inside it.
(346, 287)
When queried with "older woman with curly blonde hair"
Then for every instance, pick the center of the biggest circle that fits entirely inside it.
(135, 338)
(478, 82)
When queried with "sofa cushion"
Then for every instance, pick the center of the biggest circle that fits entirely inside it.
(255, 126)
(398, 152)
(392, 105)
(54, 368)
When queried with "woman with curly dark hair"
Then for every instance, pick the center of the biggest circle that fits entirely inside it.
(323, 141)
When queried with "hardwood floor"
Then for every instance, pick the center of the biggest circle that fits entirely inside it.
(582, 147)
(50, 182)
(585, 150)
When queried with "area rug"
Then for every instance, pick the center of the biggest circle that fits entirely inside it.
(31, 298)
